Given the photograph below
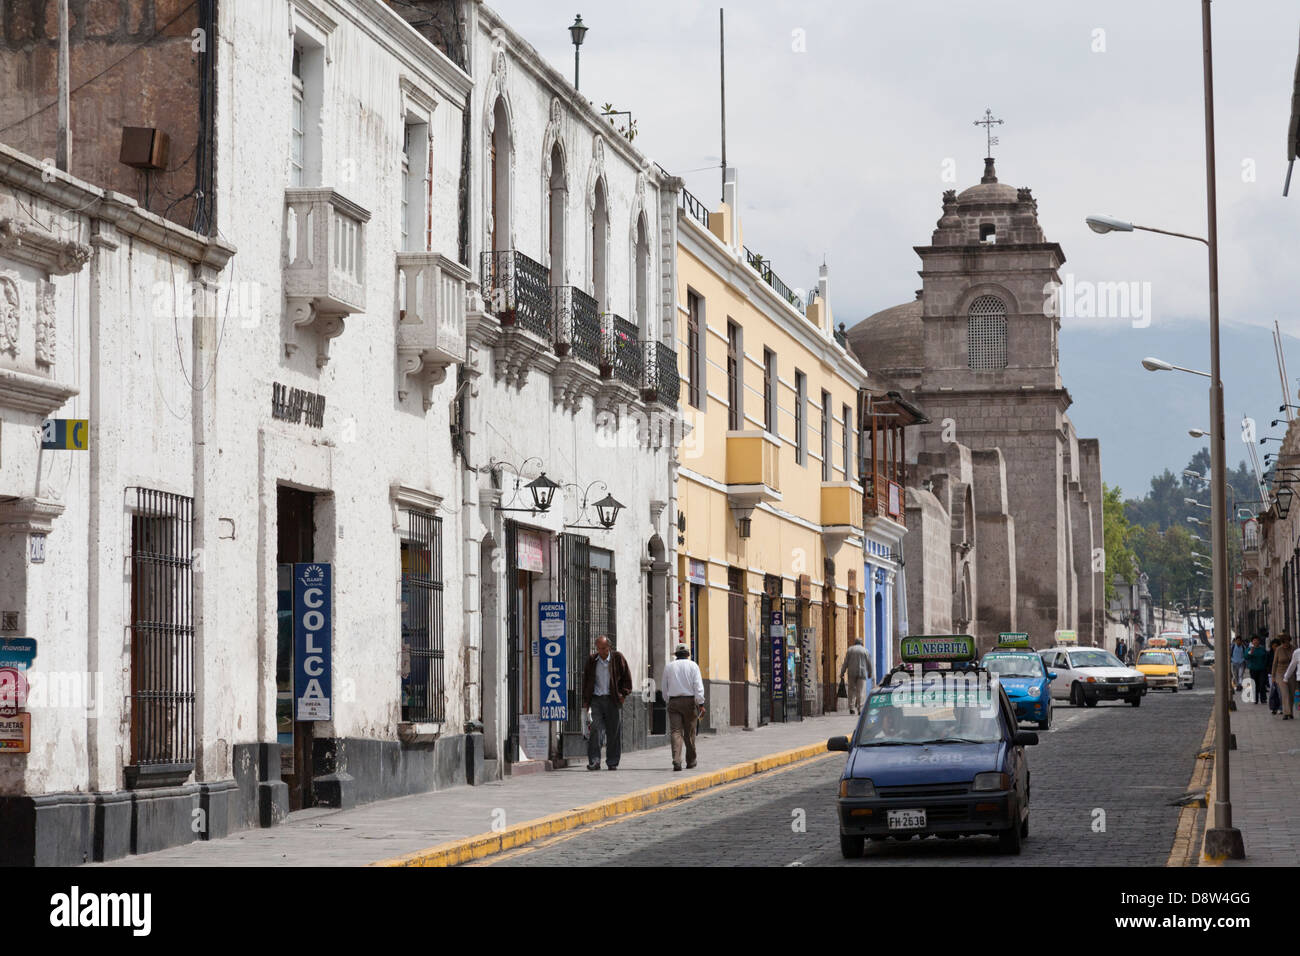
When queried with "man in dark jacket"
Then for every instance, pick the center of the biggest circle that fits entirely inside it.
(606, 682)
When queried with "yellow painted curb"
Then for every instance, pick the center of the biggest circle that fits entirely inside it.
(1183, 850)
(486, 844)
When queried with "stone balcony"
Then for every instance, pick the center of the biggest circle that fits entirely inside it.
(324, 266)
(430, 320)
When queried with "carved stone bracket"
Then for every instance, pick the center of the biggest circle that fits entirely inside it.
(306, 321)
(419, 367)
(516, 354)
(29, 515)
(42, 249)
(571, 382)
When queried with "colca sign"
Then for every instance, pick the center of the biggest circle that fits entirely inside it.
(312, 628)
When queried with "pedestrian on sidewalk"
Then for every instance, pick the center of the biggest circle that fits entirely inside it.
(1290, 677)
(1121, 649)
(857, 665)
(606, 682)
(1256, 659)
(1281, 660)
(684, 687)
(1268, 671)
(1238, 660)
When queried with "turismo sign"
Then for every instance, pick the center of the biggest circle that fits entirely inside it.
(312, 630)
(937, 647)
(550, 622)
(1013, 639)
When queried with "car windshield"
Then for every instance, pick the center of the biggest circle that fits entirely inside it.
(1014, 665)
(916, 714)
(1156, 657)
(1182, 657)
(1094, 658)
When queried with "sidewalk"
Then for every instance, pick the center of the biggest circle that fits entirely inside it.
(394, 828)
(1265, 776)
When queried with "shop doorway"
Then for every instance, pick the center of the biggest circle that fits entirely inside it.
(830, 679)
(736, 647)
(295, 543)
(794, 663)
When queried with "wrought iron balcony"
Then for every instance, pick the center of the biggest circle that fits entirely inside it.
(577, 324)
(430, 318)
(764, 269)
(324, 264)
(516, 289)
(662, 382)
(620, 350)
(693, 207)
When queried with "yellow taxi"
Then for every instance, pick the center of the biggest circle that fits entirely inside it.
(1157, 664)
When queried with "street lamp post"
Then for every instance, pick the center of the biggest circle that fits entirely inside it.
(1222, 839)
(577, 32)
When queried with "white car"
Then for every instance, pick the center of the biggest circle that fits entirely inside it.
(1085, 675)
(1186, 676)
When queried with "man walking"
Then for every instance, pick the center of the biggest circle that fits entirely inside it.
(1238, 660)
(1289, 679)
(684, 688)
(1256, 658)
(1282, 655)
(606, 682)
(857, 665)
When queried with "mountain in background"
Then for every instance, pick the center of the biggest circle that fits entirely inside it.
(1142, 418)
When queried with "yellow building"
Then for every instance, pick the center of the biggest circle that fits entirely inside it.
(770, 558)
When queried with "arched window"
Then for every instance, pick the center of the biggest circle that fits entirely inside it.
(499, 166)
(986, 333)
(558, 195)
(599, 241)
(642, 260)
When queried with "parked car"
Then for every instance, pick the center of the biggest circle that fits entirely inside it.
(1085, 675)
(1208, 659)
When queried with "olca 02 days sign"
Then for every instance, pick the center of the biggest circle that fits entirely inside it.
(550, 617)
(312, 629)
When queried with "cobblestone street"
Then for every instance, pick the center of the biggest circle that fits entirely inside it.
(1132, 765)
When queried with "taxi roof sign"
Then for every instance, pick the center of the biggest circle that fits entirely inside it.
(937, 647)
(1067, 637)
(1013, 639)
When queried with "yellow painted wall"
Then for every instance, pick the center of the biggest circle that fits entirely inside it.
(777, 545)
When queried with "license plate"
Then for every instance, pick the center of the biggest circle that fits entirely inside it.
(906, 819)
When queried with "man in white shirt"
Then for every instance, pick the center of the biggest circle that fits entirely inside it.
(684, 689)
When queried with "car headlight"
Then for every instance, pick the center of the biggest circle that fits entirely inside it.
(1033, 692)
(857, 787)
(992, 781)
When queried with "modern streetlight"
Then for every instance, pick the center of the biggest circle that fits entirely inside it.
(1197, 432)
(1194, 502)
(1222, 839)
(577, 32)
(1160, 365)
(1192, 520)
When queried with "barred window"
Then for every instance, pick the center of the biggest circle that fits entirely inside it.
(162, 635)
(424, 697)
(986, 333)
(694, 350)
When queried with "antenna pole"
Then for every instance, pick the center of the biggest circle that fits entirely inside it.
(722, 52)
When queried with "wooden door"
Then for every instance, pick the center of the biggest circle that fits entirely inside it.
(736, 650)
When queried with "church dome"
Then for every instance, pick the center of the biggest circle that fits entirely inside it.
(892, 338)
(988, 192)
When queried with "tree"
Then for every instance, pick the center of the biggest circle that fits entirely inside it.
(1116, 531)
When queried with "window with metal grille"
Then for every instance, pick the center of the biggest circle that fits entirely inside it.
(694, 376)
(769, 391)
(735, 415)
(162, 633)
(826, 436)
(424, 697)
(986, 333)
(603, 599)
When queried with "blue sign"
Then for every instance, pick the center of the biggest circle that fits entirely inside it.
(555, 672)
(17, 652)
(312, 629)
(778, 655)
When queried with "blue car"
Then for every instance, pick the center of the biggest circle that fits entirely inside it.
(935, 753)
(1025, 679)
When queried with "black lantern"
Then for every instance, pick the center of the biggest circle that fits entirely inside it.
(1284, 496)
(543, 490)
(607, 510)
(743, 527)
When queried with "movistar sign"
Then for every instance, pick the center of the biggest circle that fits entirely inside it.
(945, 647)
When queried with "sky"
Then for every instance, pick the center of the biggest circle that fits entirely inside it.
(848, 120)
